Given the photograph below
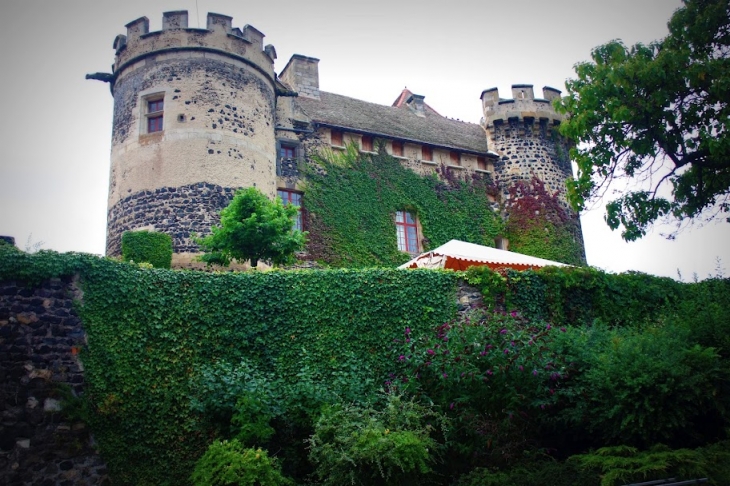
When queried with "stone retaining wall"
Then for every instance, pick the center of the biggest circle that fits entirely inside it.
(40, 338)
(40, 335)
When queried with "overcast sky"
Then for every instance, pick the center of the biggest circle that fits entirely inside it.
(56, 126)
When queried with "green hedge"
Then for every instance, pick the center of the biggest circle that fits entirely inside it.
(580, 295)
(147, 246)
(154, 336)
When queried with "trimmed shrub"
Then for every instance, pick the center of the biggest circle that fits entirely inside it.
(147, 246)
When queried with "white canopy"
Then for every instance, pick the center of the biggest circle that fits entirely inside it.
(459, 255)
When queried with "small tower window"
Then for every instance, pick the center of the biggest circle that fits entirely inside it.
(155, 108)
(406, 226)
(287, 151)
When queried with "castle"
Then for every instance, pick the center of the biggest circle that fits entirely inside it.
(199, 113)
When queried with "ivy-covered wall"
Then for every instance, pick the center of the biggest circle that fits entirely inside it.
(151, 332)
(538, 224)
(351, 200)
(156, 338)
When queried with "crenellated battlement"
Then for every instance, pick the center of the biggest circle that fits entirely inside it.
(219, 37)
(522, 106)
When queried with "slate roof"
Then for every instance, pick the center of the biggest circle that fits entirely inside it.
(399, 123)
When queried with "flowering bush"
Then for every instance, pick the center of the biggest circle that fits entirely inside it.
(489, 371)
(494, 362)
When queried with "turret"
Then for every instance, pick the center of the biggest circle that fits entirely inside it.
(522, 130)
(193, 122)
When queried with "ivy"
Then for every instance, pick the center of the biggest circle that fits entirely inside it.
(173, 354)
(540, 226)
(351, 200)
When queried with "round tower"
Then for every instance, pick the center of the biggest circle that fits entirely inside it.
(193, 122)
(523, 131)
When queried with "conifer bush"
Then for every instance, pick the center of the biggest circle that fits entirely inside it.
(228, 463)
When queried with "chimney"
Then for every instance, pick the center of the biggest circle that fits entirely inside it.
(302, 75)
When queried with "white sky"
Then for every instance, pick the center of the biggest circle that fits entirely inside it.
(56, 126)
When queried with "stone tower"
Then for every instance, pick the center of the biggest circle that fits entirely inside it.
(193, 121)
(522, 131)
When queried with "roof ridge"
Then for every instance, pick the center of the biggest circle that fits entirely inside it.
(431, 112)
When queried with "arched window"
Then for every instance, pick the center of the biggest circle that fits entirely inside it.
(406, 225)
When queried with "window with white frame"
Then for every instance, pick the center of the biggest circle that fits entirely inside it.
(406, 226)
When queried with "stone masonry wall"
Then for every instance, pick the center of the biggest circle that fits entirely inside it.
(40, 335)
(177, 211)
(527, 148)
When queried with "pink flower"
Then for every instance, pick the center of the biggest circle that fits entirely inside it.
(401, 358)
(503, 331)
(506, 351)
(408, 331)
(534, 372)
(513, 313)
(431, 352)
(444, 375)
(521, 368)
(451, 406)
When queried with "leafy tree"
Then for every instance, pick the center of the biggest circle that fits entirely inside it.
(253, 228)
(658, 115)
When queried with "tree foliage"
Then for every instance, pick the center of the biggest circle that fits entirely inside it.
(658, 116)
(253, 228)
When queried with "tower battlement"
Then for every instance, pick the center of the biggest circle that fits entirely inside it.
(219, 36)
(523, 105)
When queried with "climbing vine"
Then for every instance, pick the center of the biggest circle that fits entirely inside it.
(540, 226)
(351, 200)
